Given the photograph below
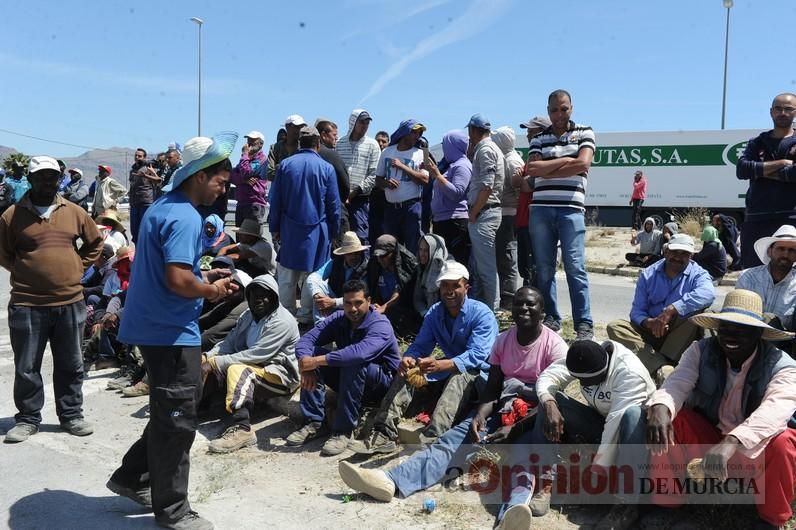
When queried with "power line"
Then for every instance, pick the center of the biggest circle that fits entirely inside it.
(59, 142)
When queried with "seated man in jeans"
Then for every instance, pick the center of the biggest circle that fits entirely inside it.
(464, 329)
(519, 355)
(612, 382)
(667, 293)
(360, 369)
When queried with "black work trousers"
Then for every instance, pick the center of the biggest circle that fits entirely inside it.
(161, 457)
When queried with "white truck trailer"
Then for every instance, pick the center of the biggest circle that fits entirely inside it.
(684, 169)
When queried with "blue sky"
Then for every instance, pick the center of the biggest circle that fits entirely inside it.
(124, 73)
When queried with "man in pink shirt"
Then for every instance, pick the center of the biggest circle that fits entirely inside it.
(518, 356)
(735, 393)
(638, 196)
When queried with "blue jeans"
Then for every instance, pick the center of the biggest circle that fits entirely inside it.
(448, 455)
(584, 425)
(366, 382)
(358, 212)
(30, 328)
(483, 259)
(548, 226)
(136, 214)
(402, 220)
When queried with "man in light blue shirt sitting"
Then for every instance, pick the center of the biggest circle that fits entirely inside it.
(465, 330)
(667, 293)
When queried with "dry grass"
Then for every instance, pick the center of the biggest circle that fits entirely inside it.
(691, 221)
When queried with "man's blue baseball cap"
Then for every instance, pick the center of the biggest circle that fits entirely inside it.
(480, 121)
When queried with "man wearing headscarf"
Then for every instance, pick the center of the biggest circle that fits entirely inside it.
(401, 175)
(431, 257)
(360, 154)
(712, 256)
(449, 198)
(650, 245)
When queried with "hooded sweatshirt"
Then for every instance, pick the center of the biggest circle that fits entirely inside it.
(504, 137)
(426, 289)
(649, 242)
(270, 343)
(449, 201)
(360, 157)
(626, 384)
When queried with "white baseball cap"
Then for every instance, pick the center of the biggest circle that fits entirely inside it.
(40, 163)
(681, 242)
(295, 119)
(256, 135)
(453, 270)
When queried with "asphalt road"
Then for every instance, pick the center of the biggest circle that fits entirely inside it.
(57, 481)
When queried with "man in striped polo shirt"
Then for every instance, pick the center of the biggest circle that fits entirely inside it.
(558, 162)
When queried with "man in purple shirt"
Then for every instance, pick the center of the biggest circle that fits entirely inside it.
(360, 369)
(449, 201)
(251, 186)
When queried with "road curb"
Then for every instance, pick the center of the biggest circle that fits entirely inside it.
(634, 273)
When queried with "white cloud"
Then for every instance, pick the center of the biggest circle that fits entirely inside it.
(477, 18)
(153, 83)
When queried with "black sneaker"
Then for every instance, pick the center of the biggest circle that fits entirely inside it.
(189, 521)
(553, 324)
(142, 495)
(584, 331)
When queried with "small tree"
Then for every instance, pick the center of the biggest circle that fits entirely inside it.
(22, 158)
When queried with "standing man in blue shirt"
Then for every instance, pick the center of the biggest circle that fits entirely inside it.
(465, 330)
(162, 309)
(667, 293)
(305, 214)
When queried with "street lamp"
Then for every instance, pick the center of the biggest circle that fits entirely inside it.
(727, 5)
(198, 21)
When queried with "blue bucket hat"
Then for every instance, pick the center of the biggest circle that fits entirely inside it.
(202, 152)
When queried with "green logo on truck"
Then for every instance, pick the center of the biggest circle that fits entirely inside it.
(667, 155)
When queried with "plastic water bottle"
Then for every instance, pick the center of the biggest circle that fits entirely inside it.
(429, 505)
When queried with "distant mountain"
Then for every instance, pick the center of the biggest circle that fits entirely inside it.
(118, 158)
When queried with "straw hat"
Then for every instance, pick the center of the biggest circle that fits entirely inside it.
(741, 307)
(122, 254)
(111, 218)
(349, 245)
(785, 233)
(249, 227)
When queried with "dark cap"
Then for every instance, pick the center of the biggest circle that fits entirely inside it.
(586, 359)
(364, 115)
(384, 245)
(222, 262)
(542, 122)
(107, 251)
(309, 131)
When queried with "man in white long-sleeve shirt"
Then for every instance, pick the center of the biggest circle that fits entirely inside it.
(259, 351)
(613, 381)
(360, 154)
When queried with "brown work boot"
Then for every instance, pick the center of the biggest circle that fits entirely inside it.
(234, 438)
(137, 390)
